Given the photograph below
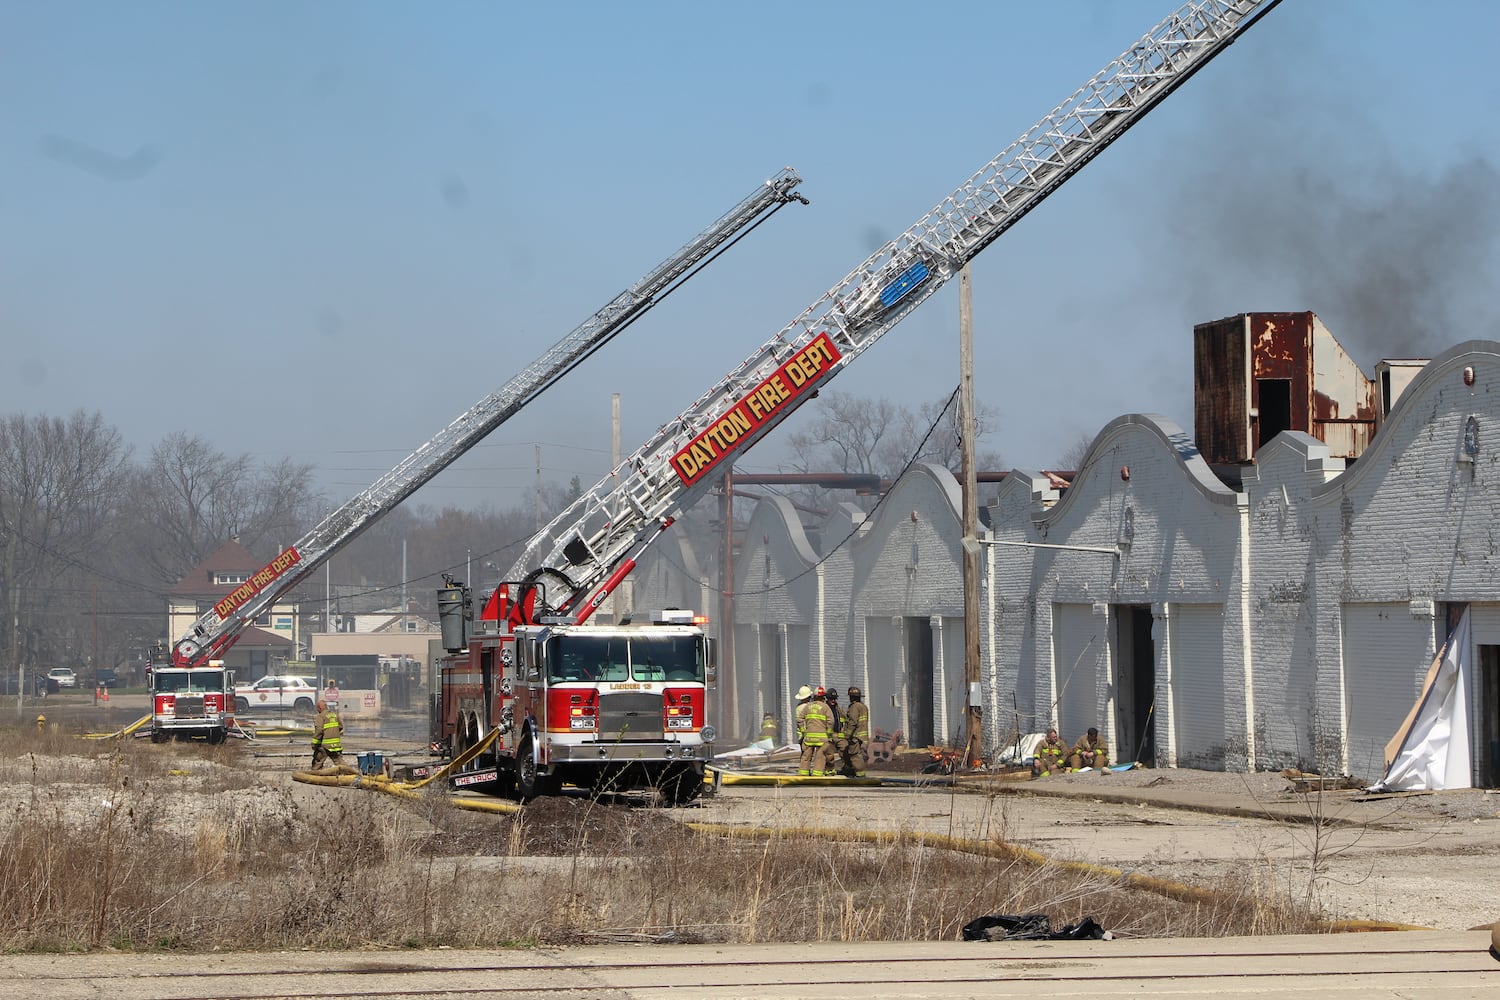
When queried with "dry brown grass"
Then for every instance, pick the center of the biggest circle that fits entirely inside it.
(135, 846)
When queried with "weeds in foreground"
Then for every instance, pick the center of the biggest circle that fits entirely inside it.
(141, 847)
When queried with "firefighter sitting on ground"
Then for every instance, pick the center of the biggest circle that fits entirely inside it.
(1089, 751)
(1051, 755)
(855, 735)
(813, 725)
(328, 737)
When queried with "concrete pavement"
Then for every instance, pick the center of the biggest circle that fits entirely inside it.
(1424, 965)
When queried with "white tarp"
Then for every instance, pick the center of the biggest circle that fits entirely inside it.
(1022, 751)
(1432, 748)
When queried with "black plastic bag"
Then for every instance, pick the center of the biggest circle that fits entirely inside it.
(1031, 927)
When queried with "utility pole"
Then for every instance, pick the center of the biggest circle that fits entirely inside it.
(622, 599)
(968, 428)
(614, 422)
(538, 494)
(728, 708)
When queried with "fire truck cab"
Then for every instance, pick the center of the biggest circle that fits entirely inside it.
(188, 702)
(603, 707)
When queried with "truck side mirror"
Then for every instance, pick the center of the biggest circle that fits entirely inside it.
(711, 655)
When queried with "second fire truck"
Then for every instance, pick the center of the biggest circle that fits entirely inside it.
(190, 702)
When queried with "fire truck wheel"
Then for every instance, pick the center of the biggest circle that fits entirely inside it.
(303, 706)
(242, 706)
(159, 737)
(528, 785)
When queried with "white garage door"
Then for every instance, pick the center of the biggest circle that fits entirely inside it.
(1080, 649)
(1385, 659)
(885, 692)
(1196, 649)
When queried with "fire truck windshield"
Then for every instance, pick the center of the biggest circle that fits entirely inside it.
(187, 681)
(593, 658)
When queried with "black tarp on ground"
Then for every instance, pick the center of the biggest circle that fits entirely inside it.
(1030, 927)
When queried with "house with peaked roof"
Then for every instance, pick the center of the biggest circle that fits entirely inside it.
(269, 642)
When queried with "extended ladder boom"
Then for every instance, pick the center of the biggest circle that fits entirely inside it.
(583, 551)
(218, 627)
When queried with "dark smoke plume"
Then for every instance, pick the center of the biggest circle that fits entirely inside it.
(1290, 196)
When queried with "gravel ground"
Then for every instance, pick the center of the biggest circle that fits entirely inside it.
(1421, 859)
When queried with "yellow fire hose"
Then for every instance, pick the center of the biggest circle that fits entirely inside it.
(117, 734)
(402, 789)
(779, 780)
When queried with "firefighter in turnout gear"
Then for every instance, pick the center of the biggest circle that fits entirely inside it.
(855, 735)
(813, 726)
(1051, 755)
(328, 737)
(833, 752)
(1089, 752)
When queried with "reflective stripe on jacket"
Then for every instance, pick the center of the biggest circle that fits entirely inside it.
(814, 724)
(329, 733)
(857, 722)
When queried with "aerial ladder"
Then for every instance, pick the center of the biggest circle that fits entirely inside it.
(217, 629)
(573, 564)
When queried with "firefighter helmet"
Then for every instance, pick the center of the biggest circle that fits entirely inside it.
(804, 692)
(820, 692)
(855, 694)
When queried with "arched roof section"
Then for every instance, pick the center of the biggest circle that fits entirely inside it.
(1423, 403)
(923, 476)
(1171, 438)
(782, 516)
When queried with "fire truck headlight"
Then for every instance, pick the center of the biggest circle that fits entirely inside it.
(709, 732)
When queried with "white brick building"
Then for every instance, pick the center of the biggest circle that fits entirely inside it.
(1280, 612)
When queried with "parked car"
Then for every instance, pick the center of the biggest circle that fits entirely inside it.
(276, 694)
(64, 676)
(35, 685)
(106, 677)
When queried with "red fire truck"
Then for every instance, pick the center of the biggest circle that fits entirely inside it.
(188, 702)
(604, 707)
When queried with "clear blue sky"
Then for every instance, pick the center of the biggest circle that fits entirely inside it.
(323, 230)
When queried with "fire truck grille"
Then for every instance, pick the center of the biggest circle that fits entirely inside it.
(628, 715)
(189, 706)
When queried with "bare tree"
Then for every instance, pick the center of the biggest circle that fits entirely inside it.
(60, 481)
(852, 434)
(937, 422)
(847, 434)
(189, 498)
(1072, 459)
